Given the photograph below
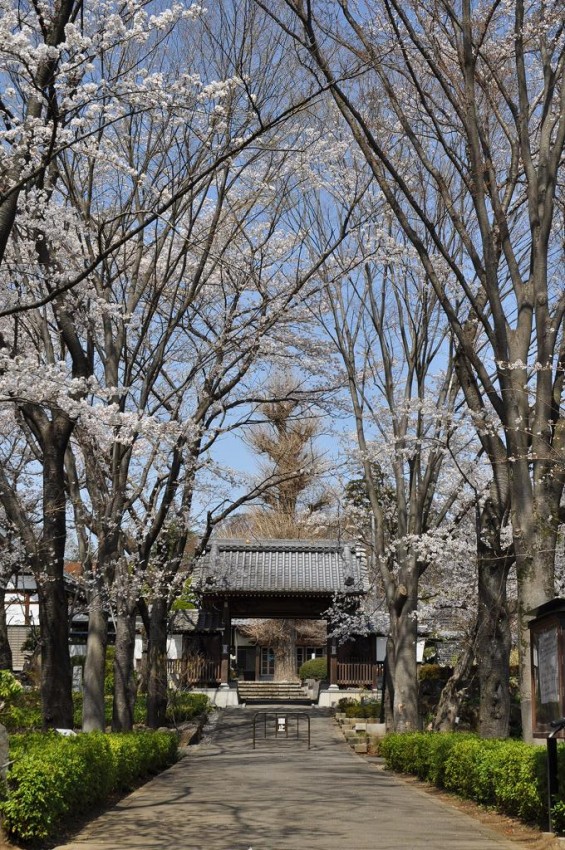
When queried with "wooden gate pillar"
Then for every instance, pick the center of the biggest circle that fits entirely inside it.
(332, 662)
(226, 641)
(373, 660)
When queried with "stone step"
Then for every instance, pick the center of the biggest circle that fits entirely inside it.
(272, 692)
(270, 688)
(252, 686)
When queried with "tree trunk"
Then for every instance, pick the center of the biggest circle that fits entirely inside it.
(387, 708)
(403, 666)
(5, 649)
(157, 665)
(56, 671)
(93, 710)
(285, 654)
(124, 683)
(453, 691)
(493, 646)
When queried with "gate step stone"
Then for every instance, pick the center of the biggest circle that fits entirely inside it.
(272, 692)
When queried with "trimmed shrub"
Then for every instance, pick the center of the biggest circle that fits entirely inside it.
(135, 755)
(315, 668)
(370, 710)
(181, 706)
(51, 775)
(22, 712)
(509, 775)
(184, 705)
(9, 685)
(433, 673)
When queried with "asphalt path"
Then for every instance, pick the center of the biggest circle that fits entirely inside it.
(225, 795)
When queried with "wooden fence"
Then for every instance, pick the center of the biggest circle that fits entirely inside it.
(194, 671)
(203, 671)
(358, 672)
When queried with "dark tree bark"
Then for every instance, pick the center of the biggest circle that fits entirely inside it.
(490, 641)
(401, 662)
(493, 644)
(454, 690)
(93, 712)
(157, 664)
(124, 682)
(56, 671)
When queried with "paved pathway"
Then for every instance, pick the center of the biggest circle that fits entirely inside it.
(226, 796)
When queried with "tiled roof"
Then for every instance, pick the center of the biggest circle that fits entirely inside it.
(196, 621)
(281, 566)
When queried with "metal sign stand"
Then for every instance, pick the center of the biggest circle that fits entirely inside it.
(281, 721)
(552, 775)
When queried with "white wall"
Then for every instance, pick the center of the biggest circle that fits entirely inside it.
(174, 646)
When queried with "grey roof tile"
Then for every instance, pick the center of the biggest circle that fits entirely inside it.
(196, 621)
(281, 566)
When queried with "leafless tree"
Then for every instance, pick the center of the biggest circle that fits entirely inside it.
(282, 636)
(286, 438)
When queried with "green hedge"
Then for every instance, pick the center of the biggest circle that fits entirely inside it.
(23, 712)
(51, 775)
(367, 710)
(509, 775)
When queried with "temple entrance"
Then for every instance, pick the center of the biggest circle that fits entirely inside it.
(264, 609)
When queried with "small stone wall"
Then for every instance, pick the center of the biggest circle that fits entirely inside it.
(358, 731)
(330, 697)
(220, 697)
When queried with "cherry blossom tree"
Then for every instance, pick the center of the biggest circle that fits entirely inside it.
(107, 130)
(73, 74)
(56, 97)
(399, 372)
(466, 100)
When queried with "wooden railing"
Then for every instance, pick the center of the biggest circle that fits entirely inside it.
(203, 671)
(194, 671)
(358, 672)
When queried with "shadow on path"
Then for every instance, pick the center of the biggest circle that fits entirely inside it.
(281, 796)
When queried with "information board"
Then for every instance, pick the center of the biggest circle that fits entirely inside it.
(548, 668)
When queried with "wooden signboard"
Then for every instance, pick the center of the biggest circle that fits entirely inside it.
(547, 632)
